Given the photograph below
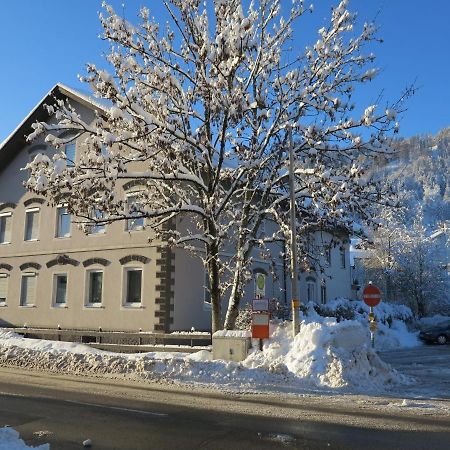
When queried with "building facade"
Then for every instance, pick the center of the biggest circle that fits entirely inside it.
(53, 274)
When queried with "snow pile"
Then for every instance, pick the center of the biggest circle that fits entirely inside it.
(436, 320)
(391, 319)
(10, 440)
(325, 354)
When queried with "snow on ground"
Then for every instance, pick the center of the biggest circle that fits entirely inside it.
(436, 320)
(392, 330)
(10, 440)
(325, 355)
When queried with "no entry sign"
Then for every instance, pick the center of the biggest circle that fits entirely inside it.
(371, 295)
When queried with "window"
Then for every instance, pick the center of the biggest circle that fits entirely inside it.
(97, 228)
(28, 289)
(5, 228)
(138, 222)
(70, 152)
(311, 290)
(95, 288)
(60, 289)
(31, 224)
(3, 288)
(63, 222)
(323, 292)
(342, 255)
(133, 292)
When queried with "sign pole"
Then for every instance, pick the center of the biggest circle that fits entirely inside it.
(294, 279)
(372, 297)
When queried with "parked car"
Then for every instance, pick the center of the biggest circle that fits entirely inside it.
(438, 334)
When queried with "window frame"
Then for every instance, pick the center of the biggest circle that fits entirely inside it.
(71, 162)
(101, 229)
(58, 228)
(310, 282)
(4, 276)
(125, 302)
(27, 212)
(23, 304)
(56, 304)
(9, 215)
(342, 257)
(129, 229)
(87, 301)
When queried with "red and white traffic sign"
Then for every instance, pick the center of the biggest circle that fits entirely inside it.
(371, 295)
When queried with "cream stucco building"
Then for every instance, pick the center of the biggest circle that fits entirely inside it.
(54, 274)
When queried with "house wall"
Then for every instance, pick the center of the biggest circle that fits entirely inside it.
(115, 243)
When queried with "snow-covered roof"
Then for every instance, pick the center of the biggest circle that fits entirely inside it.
(17, 139)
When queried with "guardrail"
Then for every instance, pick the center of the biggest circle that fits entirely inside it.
(137, 340)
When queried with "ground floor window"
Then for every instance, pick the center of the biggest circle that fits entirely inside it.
(28, 289)
(311, 290)
(323, 293)
(133, 286)
(60, 289)
(95, 287)
(3, 288)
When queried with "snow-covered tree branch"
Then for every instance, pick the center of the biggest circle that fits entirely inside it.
(198, 115)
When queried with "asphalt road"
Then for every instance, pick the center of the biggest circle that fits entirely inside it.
(429, 365)
(65, 411)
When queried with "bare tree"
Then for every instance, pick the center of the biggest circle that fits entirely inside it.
(198, 115)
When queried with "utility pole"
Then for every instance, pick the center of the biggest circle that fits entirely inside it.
(294, 271)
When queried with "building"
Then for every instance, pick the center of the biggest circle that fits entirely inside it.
(54, 274)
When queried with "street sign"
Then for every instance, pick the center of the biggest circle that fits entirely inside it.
(371, 295)
(260, 325)
(260, 304)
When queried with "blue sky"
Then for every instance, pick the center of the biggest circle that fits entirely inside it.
(46, 41)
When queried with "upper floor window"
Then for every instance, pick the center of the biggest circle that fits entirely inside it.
(342, 256)
(63, 219)
(5, 227)
(3, 288)
(70, 151)
(31, 224)
(137, 223)
(28, 289)
(97, 228)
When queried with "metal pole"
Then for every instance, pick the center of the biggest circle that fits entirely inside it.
(294, 271)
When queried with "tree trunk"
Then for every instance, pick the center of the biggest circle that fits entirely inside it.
(214, 288)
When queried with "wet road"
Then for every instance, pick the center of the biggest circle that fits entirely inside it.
(429, 365)
(64, 411)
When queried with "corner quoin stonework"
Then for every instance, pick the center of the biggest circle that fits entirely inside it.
(165, 280)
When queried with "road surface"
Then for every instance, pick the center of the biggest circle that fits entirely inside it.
(117, 414)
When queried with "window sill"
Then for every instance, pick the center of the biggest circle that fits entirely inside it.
(133, 306)
(63, 237)
(5, 243)
(27, 306)
(59, 306)
(94, 306)
(31, 240)
(3, 305)
(100, 233)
